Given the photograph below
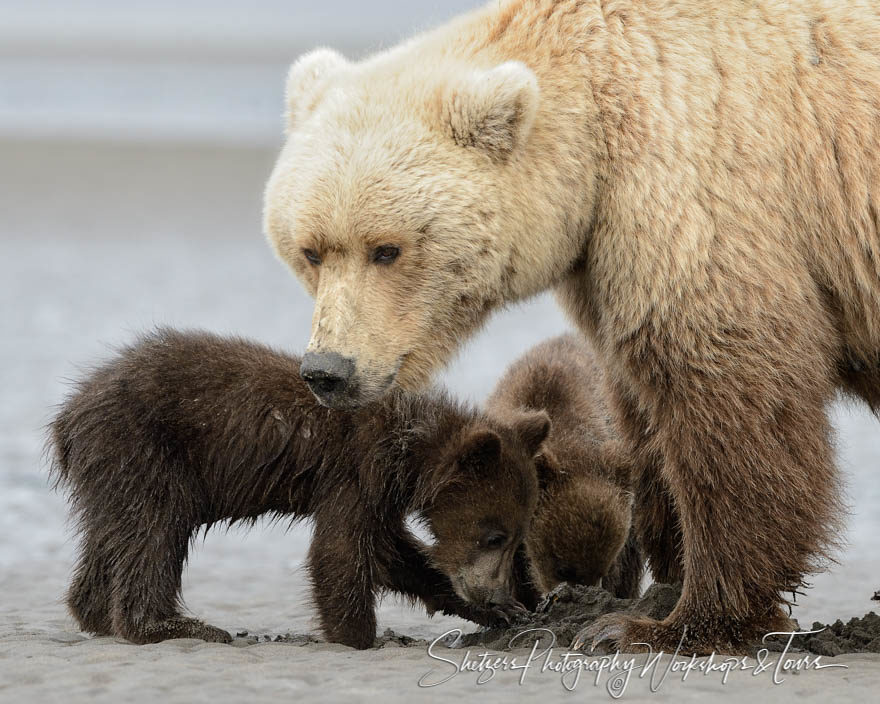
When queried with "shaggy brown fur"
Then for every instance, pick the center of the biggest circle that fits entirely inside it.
(183, 430)
(581, 529)
(699, 182)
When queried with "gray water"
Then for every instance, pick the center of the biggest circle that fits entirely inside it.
(100, 242)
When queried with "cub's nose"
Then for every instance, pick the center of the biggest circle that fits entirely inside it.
(329, 376)
(499, 595)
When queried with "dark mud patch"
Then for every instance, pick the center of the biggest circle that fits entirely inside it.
(569, 609)
(858, 635)
(566, 610)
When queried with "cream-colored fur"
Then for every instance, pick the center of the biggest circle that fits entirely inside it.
(700, 184)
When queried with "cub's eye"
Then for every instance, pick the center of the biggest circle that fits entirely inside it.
(312, 256)
(385, 254)
(494, 541)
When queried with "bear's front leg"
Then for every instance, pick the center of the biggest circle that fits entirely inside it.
(342, 566)
(654, 519)
(736, 398)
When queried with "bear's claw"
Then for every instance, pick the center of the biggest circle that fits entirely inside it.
(610, 627)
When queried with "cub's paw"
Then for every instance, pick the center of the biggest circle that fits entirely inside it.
(182, 627)
(510, 613)
(488, 615)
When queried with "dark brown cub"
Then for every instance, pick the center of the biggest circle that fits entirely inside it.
(581, 532)
(184, 430)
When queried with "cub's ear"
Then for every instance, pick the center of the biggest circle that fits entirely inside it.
(492, 110)
(533, 427)
(480, 448)
(547, 468)
(307, 80)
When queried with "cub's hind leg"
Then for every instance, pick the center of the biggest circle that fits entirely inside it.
(148, 557)
(89, 595)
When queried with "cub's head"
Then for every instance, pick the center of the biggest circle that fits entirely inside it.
(580, 526)
(397, 201)
(478, 502)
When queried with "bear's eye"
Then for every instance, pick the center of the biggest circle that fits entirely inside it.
(495, 540)
(312, 256)
(385, 254)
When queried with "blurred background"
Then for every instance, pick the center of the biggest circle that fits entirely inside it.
(135, 139)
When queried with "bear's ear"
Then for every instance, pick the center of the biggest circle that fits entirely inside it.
(307, 80)
(533, 427)
(547, 468)
(480, 448)
(492, 110)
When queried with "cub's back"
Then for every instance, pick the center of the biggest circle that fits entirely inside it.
(563, 377)
(180, 396)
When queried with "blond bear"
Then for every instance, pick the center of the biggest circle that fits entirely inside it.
(698, 182)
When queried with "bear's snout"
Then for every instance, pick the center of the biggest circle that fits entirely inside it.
(330, 376)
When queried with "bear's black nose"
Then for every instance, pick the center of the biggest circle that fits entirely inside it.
(328, 374)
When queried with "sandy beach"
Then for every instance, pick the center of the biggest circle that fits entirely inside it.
(101, 241)
(244, 584)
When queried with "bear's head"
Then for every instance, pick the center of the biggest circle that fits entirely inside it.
(579, 527)
(477, 502)
(400, 201)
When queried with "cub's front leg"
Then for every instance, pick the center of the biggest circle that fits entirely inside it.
(341, 565)
(408, 571)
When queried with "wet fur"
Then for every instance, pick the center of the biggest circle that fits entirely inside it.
(582, 529)
(184, 430)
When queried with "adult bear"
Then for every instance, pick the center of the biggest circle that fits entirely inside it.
(698, 182)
